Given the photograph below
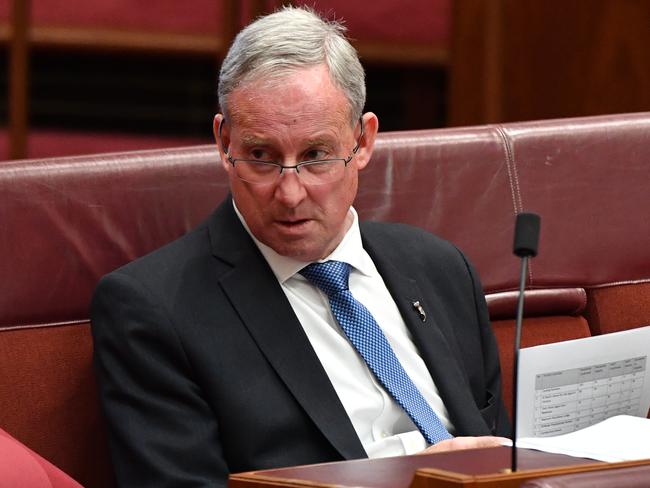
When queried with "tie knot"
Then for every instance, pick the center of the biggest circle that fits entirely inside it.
(331, 276)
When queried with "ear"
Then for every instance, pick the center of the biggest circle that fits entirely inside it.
(367, 143)
(222, 139)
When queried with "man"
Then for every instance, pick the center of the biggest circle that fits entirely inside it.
(219, 352)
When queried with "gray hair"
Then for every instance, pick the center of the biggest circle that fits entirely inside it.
(292, 38)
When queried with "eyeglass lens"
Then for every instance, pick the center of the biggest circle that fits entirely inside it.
(311, 172)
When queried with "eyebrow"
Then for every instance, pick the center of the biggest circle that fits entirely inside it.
(252, 140)
(321, 141)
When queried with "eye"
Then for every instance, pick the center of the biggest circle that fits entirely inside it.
(315, 154)
(260, 153)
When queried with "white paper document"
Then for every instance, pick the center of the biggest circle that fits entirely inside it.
(620, 438)
(570, 385)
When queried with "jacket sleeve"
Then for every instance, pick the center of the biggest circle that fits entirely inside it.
(161, 431)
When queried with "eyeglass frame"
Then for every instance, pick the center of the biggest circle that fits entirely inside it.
(282, 167)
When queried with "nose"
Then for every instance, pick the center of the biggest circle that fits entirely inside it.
(290, 190)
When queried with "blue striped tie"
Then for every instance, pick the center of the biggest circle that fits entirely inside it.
(371, 343)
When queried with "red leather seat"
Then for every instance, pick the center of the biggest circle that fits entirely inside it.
(22, 467)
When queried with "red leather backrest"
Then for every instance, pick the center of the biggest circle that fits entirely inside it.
(67, 221)
(588, 178)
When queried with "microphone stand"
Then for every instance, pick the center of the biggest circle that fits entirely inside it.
(525, 246)
(515, 371)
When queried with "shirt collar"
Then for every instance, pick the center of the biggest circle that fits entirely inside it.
(350, 250)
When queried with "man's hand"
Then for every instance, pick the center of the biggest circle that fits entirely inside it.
(458, 443)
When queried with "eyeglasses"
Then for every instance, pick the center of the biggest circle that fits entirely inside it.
(311, 172)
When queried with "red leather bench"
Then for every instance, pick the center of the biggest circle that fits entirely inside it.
(22, 467)
(67, 221)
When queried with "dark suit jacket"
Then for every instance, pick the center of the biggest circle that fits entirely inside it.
(204, 369)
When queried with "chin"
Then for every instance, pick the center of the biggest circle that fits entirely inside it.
(301, 253)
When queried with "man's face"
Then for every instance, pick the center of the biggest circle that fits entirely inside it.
(302, 117)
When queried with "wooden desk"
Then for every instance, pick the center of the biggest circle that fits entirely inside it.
(485, 468)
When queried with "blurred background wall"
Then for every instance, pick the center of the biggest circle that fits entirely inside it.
(109, 75)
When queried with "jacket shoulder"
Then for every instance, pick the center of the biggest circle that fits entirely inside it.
(404, 239)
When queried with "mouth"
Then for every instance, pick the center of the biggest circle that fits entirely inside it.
(292, 222)
(293, 225)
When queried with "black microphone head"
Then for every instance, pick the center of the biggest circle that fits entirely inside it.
(526, 234)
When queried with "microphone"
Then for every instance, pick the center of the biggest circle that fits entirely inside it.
(525, 246)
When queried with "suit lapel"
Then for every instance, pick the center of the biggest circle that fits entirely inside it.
(264, 309)
(443, 365)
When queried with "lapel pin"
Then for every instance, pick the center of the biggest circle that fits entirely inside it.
(418, 307)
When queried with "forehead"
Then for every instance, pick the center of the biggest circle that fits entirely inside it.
(303, 96)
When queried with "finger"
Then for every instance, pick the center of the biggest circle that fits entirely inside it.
(460, 443)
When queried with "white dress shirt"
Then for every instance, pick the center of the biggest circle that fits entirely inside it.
(382, 426)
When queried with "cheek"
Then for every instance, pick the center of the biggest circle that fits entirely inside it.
(337, 200)
(250, 200)
(348, 189)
